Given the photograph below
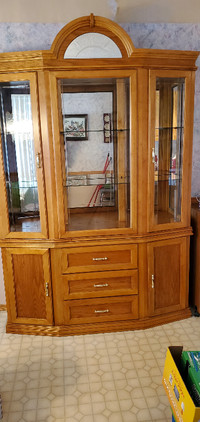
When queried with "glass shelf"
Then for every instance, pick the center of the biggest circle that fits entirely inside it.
(167, 175)
(84, 182)
(172, 181)
(16, 186)
(169, 127)
(96, 131)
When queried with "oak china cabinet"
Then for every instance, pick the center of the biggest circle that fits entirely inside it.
(95, 175)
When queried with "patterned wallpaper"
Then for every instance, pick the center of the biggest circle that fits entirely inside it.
(175, 37)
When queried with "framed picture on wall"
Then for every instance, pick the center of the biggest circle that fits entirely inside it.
(75, 127)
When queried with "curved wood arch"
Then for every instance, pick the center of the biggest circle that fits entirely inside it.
(92, 23)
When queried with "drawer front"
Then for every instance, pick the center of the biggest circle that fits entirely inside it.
(94, 310)
(107, 283)
(95, 258)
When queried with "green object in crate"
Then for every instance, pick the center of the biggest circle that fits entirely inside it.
(190, 368)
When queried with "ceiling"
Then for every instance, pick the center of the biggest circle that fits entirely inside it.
(121, 11)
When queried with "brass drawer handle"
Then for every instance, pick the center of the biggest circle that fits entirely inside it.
(100, 259)
(101, 312)
(101, 285)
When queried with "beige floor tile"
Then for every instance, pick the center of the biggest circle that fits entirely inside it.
(13, 417)
(112, 377)
(117, 417)
(144, 415)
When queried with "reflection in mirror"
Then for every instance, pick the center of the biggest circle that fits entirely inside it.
(92, 45)
(169, 134)
(95, 139)
(19, 156)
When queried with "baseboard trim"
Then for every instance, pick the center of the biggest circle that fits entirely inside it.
(108, 327)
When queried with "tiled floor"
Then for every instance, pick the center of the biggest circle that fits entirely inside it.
(113, 377)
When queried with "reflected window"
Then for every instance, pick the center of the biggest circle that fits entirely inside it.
(19, 156)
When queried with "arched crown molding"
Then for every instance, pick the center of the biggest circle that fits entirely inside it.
(90, 24)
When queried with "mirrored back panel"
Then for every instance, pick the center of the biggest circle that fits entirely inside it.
(95, 139)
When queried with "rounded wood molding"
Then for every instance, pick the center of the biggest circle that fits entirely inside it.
(88, 24)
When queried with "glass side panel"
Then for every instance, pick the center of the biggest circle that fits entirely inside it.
(19, 156)
(168, 151)
(95, 140)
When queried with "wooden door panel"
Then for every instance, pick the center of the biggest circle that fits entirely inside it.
(27, 280)
(167, 273)
(29, 290)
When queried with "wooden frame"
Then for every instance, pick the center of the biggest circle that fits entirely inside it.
(56, 113)
(187, 147)
(90, 268)
(92, 24)
(31, 77)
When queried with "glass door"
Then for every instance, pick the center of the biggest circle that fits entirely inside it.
(22, 158)
(94, 127)
(168, 109)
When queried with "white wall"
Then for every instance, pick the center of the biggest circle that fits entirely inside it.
(120, 10)
(54, 10)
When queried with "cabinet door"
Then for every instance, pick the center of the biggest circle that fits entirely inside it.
(28, 285)
(23, 211)
(95, 119)
(168, 273)
(170, 153)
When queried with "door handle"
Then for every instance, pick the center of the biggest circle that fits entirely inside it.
(47, 289)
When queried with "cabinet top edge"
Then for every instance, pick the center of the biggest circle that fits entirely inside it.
(46, 60)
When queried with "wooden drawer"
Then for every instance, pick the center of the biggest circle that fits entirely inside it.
(99, 258)
(107, 283)
(106, 309)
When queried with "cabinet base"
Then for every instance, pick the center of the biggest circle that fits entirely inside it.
(69, 330)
